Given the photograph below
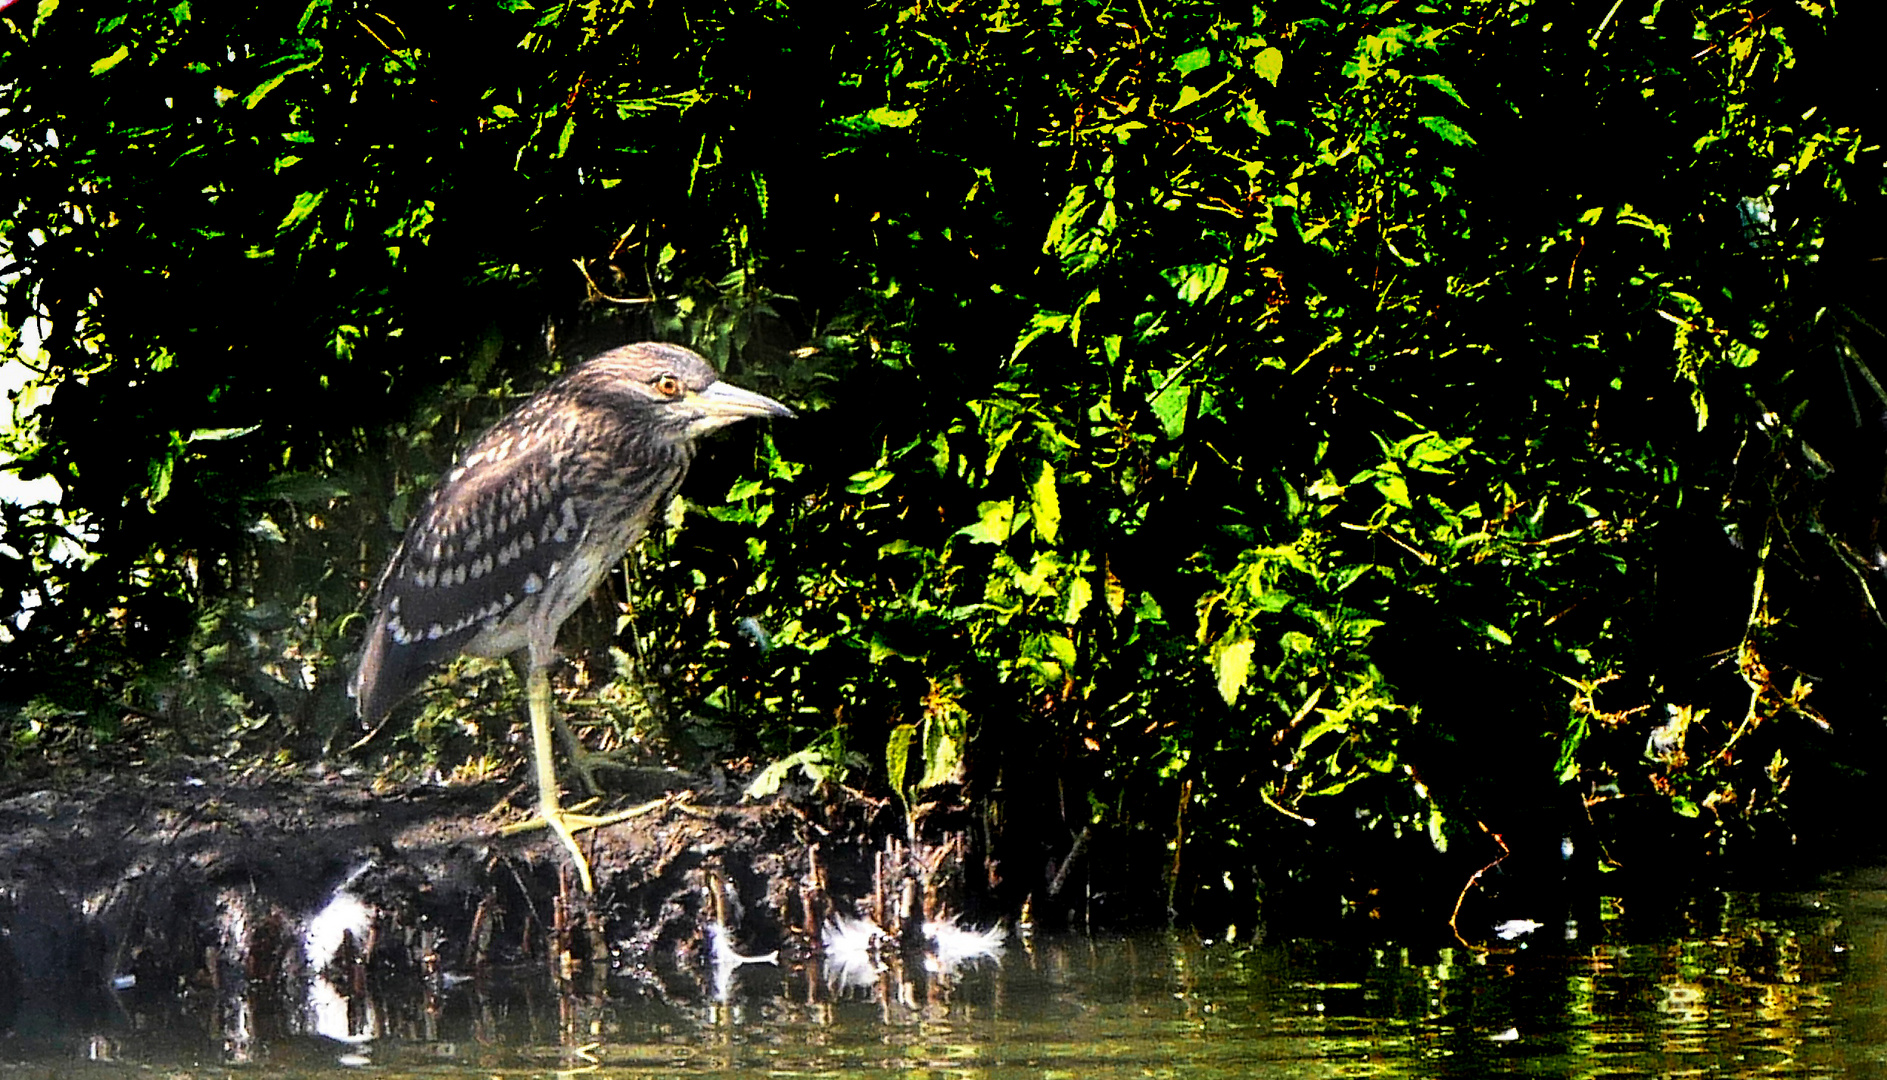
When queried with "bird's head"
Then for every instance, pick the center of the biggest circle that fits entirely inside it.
(676, 389)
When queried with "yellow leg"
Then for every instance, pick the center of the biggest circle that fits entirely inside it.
(550, 809)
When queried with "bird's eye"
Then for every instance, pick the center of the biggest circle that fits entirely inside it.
(668, 384)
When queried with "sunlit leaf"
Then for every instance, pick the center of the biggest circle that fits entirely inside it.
(1442, 83)
(878, 119)
(1045, 503)
(306, 204)
(1171, 407)
(219, 434)
(106, 63)
(1270, 64)
(994, 523)
(1447, 129)
(293, 65)
(943, 748)
(1495, 633)
(1233, 666)
(1393, 488)
(1041, 324)
(1062, 648)
(1080, 593)
(868, 481)
(1187, 63)
(898, 757)
(815, 762)
(158, 473)
(1198, 283)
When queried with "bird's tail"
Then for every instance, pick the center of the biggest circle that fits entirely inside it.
(377, 684)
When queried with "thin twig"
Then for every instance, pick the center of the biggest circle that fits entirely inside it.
(597, 290)
(1303, 713)
(1474, 879)
(1282, 809)
(1074, 855)
(1607, 21)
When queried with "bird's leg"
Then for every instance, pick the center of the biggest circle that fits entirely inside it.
(573, 751)
(582, 760)
(550, 809)
(549, 802)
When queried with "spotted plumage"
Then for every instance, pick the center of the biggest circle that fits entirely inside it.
(521, 530)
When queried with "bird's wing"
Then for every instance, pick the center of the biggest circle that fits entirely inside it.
(499, 527)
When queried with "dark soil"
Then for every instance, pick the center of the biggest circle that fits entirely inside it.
(184, 877)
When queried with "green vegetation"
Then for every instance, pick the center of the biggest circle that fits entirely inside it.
(1263, 436)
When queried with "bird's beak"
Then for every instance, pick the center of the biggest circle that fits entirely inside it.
(723, 403)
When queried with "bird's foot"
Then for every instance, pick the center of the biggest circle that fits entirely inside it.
(567, 822)
(587, 763)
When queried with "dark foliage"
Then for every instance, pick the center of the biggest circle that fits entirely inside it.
(1438, 423)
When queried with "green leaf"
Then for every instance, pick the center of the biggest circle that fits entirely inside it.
(309, 14)
(1393, 488)
(877, 120)
(1447, 129)
(814, 761)
(885, 116)
(1430, 453)
(1440, 82)
(995, 524)
(1495, 633)
(1198, 283)
(219, 434)
(880, 649)
(1041, 324)
(1270, 64)
(943, 750)
(864, 483)
(898, 758)
(1080, 593)
(158, 474)
(903, 546)
(1576, 731)
(305, 487)
(1064, 220)
(99, 67)
(298, 62)
(1187, 63)
(1045, 503)
(1232, 664)
(1074, 324)
(1062, 648)
(1171, 406)
(1333, 723)
(306, 204)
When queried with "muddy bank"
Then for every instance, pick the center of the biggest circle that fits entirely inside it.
(183, 880)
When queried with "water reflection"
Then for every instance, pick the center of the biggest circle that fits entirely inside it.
(1749, 986)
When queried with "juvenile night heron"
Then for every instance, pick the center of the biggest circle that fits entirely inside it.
(523, 528)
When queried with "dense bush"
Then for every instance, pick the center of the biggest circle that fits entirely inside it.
(1258, 436)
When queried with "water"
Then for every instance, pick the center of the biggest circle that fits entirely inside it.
(1731, 985)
